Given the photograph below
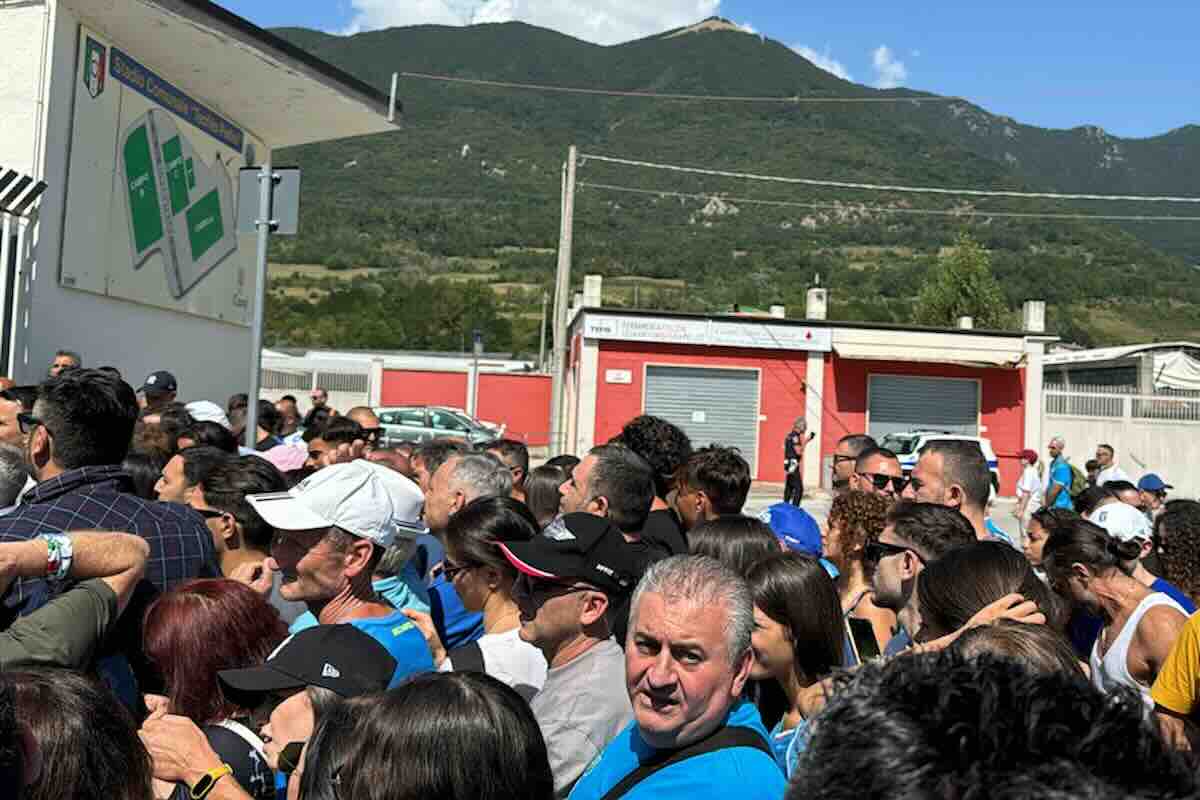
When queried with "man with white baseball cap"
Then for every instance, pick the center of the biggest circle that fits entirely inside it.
(329, 533)
(1123, 521)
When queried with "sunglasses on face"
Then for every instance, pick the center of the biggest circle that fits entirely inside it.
(209, 513)
(876, 551)
(372, 435)
(450, 571)
(880, 481)
(28, 422)
(543, 589)
(837, 459)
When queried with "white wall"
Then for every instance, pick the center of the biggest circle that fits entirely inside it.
(1166, 448)
(22, 31)
(210, 359)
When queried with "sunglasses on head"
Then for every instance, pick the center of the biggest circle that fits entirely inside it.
(876, 551)
(880, 481)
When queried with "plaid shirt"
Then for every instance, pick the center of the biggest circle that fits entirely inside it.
(93, 498)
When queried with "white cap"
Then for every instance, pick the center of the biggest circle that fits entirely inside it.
(1122, 521)
(207, 411)
(362, 498)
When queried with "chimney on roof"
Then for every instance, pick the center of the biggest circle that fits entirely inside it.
(593, 291)
(966, 323)
(779, 312)
(1033, 316)
(818, 303)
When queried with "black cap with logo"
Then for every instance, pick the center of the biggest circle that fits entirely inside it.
(580, 547)
(161, 381)
(340, 658)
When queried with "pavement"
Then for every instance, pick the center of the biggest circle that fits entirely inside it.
(818, 501)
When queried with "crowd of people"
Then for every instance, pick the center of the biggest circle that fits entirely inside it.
(326, 614)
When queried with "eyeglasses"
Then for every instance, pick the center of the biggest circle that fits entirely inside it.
(28, 422)
(451, 571)
(876, 551)
(542, 589)
(880, 481)
(372, 435)
(837, 458)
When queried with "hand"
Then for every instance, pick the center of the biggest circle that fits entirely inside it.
(424, 624)
(158, 705)
(258, 575)
(344, 453)
(1011, 606)
(179, 750)
(8, 569)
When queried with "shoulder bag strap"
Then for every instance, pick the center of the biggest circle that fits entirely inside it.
(468, 658)
(724, 739)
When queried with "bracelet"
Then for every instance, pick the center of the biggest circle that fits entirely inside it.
(59, 555)
(208, 780)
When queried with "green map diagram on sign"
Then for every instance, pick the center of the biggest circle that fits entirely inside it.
(179, 206)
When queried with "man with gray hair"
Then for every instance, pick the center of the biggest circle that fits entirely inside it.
(14, 474)
(687, 661)
(460, 480)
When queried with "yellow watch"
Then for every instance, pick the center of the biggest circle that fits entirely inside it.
(208, 780)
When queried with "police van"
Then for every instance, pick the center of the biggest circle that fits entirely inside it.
(908, 444)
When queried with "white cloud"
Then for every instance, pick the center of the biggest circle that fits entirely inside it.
(601, 21)
(748, 28)
(824, 60)
(889, 73)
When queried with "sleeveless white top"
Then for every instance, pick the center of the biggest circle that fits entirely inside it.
(1113, 669)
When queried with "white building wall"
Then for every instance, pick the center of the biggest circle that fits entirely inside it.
(23, 32)
(1165, 448)
(210, 359)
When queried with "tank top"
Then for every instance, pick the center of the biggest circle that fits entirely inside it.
(1113, 669)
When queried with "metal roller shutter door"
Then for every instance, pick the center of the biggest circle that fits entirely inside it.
(710, 405)
(901, 403)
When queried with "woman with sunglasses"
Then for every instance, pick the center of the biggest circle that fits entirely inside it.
(484, 579)
(797, 638)
(855, 519)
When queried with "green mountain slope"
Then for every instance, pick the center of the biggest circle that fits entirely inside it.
(469, 187)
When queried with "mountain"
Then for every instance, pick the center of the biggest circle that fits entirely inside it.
(469, 187)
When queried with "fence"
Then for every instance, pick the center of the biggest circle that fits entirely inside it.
(1150, 433)
(346, 387)
(20, 197)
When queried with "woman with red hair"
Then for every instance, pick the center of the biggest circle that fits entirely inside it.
(1029, 487)
(190, 634)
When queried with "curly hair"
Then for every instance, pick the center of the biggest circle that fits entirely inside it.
(860, 516)
(664, 446)
(1177, 530)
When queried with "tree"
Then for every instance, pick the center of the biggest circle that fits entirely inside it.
(962, 285)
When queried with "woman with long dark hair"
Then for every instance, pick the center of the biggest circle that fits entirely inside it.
(484, 578)
(457, 736)
(797, 638)
(542, 492)
(195, 631)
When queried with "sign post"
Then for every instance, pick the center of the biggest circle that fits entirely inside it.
(278, 195)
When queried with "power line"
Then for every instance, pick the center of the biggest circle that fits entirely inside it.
(795, 99)
(884, 188)
(884, 209)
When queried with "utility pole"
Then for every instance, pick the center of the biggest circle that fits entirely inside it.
(562, 287)
(542, 332)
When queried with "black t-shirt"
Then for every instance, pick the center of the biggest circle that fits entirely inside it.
(791, 443)
(646, 554)
(250, 768)
(662, 530)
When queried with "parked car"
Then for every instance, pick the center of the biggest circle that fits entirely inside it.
(907, 447)
(425, 423)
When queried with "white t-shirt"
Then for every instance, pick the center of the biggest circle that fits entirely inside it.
(1113, 473)
(1030, 484)
(510, 659)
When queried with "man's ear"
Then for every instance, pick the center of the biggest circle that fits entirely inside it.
(595, 607)
(955, 496)
(41, 447)
(741, 673)
(358, 557)
(602, 505)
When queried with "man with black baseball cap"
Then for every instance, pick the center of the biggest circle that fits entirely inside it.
(314, 664)
(158, 390)
(569, 579)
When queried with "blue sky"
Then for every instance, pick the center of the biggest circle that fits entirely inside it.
(1133, 70)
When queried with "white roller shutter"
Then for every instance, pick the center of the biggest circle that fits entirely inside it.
(903, 403)
(713, 406)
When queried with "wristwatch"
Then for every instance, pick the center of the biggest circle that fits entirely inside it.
(208, 781)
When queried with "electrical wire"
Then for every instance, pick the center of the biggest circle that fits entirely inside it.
(884, 209)
(795, 99)
(584, 157)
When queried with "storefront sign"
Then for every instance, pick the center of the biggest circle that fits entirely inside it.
(717, 333)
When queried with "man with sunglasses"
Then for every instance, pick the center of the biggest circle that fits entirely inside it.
(915, 534)
(372, 429)
(845, 458)
(569, 579)
(877, 471)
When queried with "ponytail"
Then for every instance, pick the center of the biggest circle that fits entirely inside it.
(1077, 541)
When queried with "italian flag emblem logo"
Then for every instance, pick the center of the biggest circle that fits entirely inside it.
(95, 63)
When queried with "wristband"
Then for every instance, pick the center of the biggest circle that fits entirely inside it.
(59, 555)
(208, 780)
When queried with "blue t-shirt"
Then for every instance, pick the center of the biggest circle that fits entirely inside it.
(455, 625)
(1060, 473)
(403, 640)
(1175, 593)
(402, 591)
(741, 772)
(899, 642)
(788, 745)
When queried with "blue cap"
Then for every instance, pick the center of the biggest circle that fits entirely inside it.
(795, 527)
(1152, 483)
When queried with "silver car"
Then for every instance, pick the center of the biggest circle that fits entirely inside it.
(425, 423)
